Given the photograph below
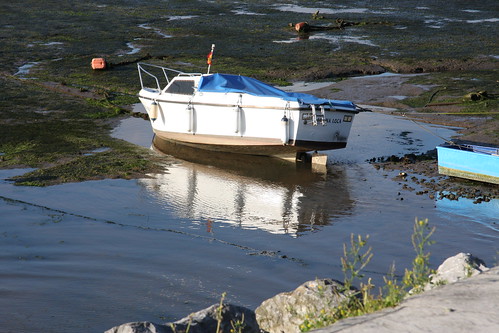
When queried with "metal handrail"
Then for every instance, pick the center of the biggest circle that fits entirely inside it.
(165, 70)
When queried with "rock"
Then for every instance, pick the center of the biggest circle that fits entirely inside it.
(458, 267)
(204, 321)
(286, 311)
(476, 96)
(140, 327)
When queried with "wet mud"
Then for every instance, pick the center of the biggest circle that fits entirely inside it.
(390, 94)
(47, 75)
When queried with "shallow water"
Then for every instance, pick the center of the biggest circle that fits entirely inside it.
(85, 257)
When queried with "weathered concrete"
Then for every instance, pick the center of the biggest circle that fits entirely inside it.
(468, 305)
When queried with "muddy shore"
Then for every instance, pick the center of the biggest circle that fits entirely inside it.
(386, 94)
(48, 82)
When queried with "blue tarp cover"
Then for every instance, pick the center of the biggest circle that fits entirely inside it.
(226, 83)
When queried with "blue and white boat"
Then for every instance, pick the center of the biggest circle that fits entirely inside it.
(471, 161)
(238, 114)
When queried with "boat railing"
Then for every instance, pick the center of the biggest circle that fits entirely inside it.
(155, 71)
(483, 150)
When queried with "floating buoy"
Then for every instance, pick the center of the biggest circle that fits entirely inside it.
(285, 130)
(153, 111)
(302, 27)
(98, 63)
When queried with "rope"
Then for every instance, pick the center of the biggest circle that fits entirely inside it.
(250, 250)
(460, 146)
(431, 132)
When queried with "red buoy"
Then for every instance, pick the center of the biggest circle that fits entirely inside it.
(302, 27)
(98, 63)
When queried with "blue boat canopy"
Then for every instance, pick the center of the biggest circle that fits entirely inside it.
(226, 83)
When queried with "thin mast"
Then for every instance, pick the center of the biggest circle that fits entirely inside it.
(210, 56)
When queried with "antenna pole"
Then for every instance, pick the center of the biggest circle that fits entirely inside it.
(210, 56)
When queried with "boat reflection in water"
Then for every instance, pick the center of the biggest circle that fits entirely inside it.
(252, 192)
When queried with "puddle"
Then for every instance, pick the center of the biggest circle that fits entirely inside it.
(485, 214)
(490, 20)
(386, 74)
(395, 135)
(333, 39)
(157, 31)
(397, 97)
(181, 17)
(134, 49)
(307, 10)
(98, 150)
(302, 86)
(135, 130)
(23, 70)
(241, 11)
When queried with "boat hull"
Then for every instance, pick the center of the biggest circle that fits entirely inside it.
(242, 145)
(249, 129)
(469, 164)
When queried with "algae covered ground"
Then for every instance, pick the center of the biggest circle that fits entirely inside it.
(56, 112)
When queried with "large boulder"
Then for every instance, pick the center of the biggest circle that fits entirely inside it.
(204, 321)
(458, 267)
(286, 311)
(140, 327)
(232, 316)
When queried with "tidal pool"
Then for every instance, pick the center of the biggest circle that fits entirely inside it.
(84, 257)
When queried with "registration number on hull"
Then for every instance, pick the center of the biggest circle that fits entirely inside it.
(320, 118)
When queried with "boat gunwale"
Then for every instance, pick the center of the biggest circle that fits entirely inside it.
(461, 152)
(304, 107)
(492, 150)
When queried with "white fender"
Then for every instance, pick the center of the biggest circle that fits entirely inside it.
(237, 111)
(284, 130)
(153, 111)
(190, 120)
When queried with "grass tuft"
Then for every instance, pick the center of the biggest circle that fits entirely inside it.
(363, 301)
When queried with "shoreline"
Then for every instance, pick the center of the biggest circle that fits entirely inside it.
(384, 93)
(455, 299)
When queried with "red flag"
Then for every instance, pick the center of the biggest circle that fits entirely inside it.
(209, 57)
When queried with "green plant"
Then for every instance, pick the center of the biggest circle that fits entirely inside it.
(419, 276)
(237, 326)
(391, 294)
(469, 270)
(393, 291)
(219, 312)
(353, 260)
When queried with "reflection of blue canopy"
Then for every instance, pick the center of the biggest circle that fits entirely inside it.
(226, 83)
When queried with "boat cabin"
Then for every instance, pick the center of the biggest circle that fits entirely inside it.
(183, 85)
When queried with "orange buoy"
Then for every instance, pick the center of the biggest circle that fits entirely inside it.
(302, 27)
(98, 63)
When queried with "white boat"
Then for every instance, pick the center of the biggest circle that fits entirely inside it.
(238, 114)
